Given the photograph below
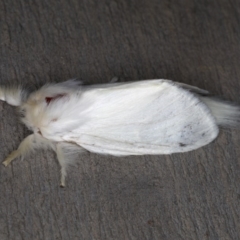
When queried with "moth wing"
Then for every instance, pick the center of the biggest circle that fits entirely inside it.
(148, 117)
(190, 88)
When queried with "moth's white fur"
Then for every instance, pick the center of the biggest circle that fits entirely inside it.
(136, 118)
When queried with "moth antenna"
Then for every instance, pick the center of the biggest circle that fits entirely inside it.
(13, 96)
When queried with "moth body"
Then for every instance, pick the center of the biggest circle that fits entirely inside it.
(136, 118)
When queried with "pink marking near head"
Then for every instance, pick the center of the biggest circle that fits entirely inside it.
(50, 99)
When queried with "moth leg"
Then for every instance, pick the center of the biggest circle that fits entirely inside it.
(62, 162)
(11, 156)
(22, 150)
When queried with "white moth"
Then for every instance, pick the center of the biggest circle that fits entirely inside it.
(120, 119)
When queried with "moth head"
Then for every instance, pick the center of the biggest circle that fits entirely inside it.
(37, 110)
(32, 111)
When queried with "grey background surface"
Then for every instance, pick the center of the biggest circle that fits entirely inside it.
(195, 195)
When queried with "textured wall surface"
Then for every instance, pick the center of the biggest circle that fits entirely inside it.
(195, 195)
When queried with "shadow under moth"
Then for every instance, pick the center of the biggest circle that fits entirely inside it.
(120, 119)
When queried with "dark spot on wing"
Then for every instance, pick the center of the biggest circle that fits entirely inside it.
(182, 144)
